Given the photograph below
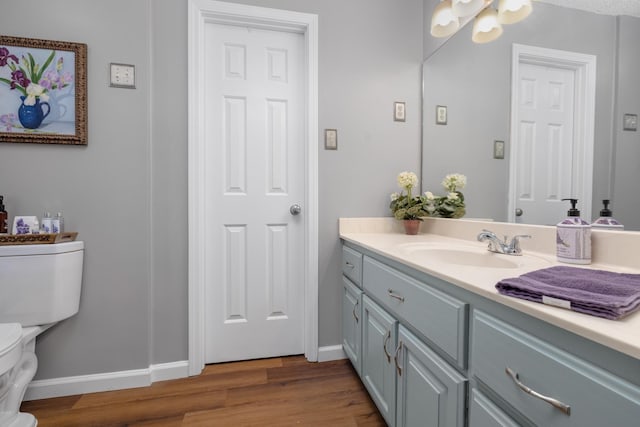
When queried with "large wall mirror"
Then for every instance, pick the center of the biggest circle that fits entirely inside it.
(474, 83)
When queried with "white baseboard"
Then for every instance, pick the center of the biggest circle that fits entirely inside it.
(331, 352)
(81, 384)
(67, 386)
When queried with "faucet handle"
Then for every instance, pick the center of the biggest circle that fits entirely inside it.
(514, 246)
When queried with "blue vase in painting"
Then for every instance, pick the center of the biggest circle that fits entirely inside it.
(31, 116)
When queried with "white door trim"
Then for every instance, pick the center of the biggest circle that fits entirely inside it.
(584, 116)
(200, 13)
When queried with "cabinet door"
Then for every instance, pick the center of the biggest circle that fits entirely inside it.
(430, 392)
(484, 413)
(379, 331)
(351, 322)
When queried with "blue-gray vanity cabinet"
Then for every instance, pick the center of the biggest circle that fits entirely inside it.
(572, 392)
(484, 413)
(379, 336)
(429, 391)
(440, 318)
(351, 322)
(352, 265)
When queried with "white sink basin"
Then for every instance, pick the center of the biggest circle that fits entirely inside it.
(467, 256)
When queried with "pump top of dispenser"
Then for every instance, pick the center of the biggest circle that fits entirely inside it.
(606, 219)
(606, 211)
(1, 203)
(573, 215)
(573, 211)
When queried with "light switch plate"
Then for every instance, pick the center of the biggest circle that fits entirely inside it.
(498, 149)
(330, 139)
(123, 76)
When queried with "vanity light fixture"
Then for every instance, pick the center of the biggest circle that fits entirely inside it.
(443, 22)
(450, 15)
(486, 27)
(512, 11)
(464, 8)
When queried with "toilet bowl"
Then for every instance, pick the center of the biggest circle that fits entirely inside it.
(39, 286)
(11, 356)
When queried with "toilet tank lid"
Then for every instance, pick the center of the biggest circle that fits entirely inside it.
(10, 335)
(55, 248)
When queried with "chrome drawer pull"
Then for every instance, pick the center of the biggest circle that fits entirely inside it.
(348, 264)
(394, 295)
(355, 316)
(551, 401)
(395, 358)
(384, 346)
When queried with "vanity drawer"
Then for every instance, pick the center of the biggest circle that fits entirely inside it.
(594, 396)
(352, 265)
(437, 316)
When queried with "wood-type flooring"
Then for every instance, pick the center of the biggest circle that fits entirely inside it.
(286, 391)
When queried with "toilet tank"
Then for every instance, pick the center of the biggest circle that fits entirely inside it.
(40, 284)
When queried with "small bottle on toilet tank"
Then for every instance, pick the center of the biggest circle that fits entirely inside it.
(46, 225)
(57, 224)
(4, 218)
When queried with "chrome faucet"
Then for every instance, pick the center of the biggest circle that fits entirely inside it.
(501, 246)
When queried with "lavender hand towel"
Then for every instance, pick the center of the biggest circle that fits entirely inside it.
(595, 292)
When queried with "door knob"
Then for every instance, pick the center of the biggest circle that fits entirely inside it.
(295, 209)
(519, 212)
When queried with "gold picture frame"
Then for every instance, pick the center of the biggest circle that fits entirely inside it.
(43, 91)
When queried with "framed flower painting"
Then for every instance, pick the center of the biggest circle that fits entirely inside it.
(43, 91)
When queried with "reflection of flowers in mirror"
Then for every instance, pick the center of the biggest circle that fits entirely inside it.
(31, 79)
(450, 206)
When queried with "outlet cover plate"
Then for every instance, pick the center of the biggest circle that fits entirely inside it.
(122, 75)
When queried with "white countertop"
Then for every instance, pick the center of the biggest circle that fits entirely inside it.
(384, 236)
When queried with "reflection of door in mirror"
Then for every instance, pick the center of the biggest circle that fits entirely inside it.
(544, 143)
(551, 134)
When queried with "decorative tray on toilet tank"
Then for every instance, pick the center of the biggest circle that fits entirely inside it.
(37, 239)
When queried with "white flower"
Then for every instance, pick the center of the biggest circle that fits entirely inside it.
(453, 196)
(34, 90)
(429, 195)
(394, 196)
(407, 179)
(454, 181)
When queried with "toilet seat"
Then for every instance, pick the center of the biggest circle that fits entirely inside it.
(10, 348)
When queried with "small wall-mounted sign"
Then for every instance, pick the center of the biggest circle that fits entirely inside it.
(330, 139)
(441, 114)
(399, 111)
(630, 122)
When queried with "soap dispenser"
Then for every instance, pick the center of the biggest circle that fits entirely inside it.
(573, 238)
(606, 220)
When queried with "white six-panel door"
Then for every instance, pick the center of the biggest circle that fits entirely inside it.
(254, 156)
(545, 160)
(552, 133)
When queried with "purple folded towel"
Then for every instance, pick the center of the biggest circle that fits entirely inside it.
(596, 292)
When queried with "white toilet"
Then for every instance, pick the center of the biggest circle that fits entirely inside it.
(39, 286)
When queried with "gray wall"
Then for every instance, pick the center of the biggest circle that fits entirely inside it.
(126, 192)
(474, 82)
(626, 197)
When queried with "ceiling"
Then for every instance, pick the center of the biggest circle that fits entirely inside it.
(607, 7)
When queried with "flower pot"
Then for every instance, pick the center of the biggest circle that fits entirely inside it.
(411, 226)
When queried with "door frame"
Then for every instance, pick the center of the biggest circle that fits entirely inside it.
(584, 67)
(200, 13)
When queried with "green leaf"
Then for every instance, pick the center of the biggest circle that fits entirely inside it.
(32, 66)
(45, 66)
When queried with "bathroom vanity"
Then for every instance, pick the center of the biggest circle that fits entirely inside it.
(436, 345)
